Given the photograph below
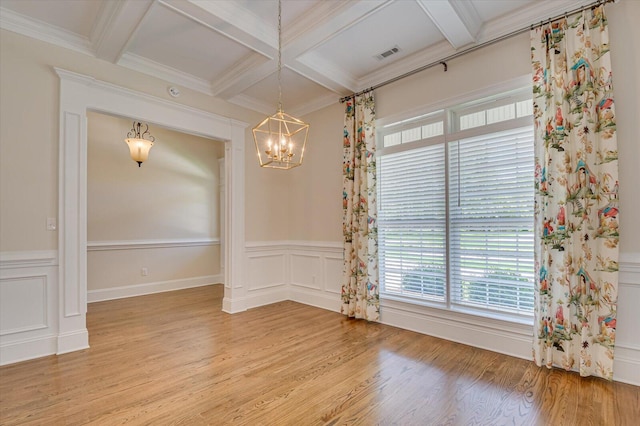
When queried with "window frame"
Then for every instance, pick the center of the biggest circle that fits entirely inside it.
(449, 111)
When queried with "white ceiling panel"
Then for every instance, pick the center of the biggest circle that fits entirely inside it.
(228, 48)
(171, 39)
(402, 23)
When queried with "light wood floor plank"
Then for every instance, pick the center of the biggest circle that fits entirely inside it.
(176, 359)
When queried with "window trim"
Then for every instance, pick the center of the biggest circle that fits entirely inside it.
(509, 92)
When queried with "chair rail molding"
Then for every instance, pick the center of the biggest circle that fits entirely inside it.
(148, 244)
(79, 93)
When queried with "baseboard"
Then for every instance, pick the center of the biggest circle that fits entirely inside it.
(266, 296)
(233, 306)
(151, 288)
(24, 350)
(73, 341)
(330, 302)
(626, 365)
(514, 342)
(255, 298)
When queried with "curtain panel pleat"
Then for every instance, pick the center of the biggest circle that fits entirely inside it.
(360, 290)
(576, 204)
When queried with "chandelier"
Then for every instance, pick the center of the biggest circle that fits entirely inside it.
(280, 139)
(140, 143)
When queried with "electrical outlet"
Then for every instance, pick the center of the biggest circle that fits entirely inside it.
(144, 272)
(51, 224)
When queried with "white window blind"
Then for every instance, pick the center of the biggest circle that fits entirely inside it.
(412, 222)
(455, 207)
(491, 221)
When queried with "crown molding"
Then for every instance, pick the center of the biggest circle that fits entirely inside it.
(315, 104)
(17, 23)
(172, 75)
(253, 104)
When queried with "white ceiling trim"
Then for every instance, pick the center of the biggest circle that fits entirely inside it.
(246, 79)
(311, 32)
(228, 20)
(241, 18)
(270, 108)
(528, 16)
(171, 75)
(116, 24)
(30, 27)
(449, 22)
(410, 63)
(254, 104)
(323, 72)
(491, 30)
(315, 104)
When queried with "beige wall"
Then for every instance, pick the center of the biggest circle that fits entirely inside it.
(29, 142)
(173, 196)
(315, 209)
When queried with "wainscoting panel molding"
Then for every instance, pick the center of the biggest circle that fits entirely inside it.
(28, 305)
(332, 267)
(306, 270)
(301, 271)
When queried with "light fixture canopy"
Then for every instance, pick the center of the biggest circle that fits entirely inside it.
(140, 143)
(281, 138)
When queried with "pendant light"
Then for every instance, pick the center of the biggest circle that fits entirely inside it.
(280, 139)
(140, 143)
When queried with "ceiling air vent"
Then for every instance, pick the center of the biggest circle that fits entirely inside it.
(387, 53)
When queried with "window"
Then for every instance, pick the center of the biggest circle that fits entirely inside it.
(455, 208)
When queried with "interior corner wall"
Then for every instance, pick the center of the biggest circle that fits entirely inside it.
(154, 227)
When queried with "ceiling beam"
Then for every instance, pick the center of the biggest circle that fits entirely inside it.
(457, 21)
(115, 26)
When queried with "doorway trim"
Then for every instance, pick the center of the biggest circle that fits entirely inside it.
(79, 93)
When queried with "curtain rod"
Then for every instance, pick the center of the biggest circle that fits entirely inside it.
(444, 61)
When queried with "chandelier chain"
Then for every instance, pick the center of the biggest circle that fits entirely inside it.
(279, 55)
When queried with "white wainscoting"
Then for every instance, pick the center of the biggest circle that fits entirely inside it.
(303, 271)
(626, 364)
(310, 272)
(28, 305)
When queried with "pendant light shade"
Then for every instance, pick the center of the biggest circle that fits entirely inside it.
(140, 143)
(281, 138)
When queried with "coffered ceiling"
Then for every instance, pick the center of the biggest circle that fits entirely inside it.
(229, 48)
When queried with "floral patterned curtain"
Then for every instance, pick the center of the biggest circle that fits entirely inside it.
(576, 210)
(360, 295)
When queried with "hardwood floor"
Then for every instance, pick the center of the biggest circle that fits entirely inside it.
(175, 358)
